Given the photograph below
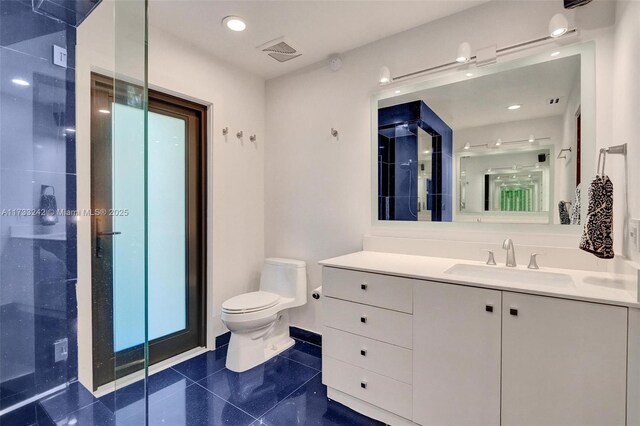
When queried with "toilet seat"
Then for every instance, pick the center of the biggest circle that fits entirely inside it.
(250, 302)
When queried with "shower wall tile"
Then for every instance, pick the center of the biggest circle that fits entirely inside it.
(73, 12)
(398, 114)
(35, 120)
(34, 34)
(38, 263)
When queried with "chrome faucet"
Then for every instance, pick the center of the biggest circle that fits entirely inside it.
(511, 253)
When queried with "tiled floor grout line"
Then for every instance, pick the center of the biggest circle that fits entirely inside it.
(228, 402)
(183, 375)
(298, 362)
(285, 398)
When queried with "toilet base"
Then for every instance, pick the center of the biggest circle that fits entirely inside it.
(250, 349)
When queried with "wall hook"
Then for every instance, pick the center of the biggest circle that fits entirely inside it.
(334, 133)
(253, 138)
(239, 134)
(225, 131)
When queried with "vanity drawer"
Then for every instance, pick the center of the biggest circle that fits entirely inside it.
(369, 321)
(372, 289)
(381, 391)
(389, 360)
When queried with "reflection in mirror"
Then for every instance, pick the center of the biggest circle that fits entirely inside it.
(414, 164)
(503, 147)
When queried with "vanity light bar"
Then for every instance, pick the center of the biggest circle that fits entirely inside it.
(473, 58)
(488, 146)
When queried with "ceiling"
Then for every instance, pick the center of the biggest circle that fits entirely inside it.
(317, 28)
(483, 100)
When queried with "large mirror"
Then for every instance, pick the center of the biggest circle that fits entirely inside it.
(498, 144)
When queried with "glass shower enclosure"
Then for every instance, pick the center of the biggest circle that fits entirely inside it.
(47, 225)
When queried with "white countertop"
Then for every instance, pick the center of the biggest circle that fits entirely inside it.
(600, 287)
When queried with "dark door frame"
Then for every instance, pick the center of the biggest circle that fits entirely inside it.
(109, 366)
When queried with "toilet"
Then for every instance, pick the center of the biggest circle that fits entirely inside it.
(259, 321)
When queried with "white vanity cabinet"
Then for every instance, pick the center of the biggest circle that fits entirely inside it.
(368, 339)
(456, 363)
(449, 354)
(563, 362)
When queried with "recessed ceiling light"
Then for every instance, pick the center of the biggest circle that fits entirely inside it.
(467, 145)
(532, 139)
(514, 107)
(396, 92)
(499, 142)
(234, 23)
(469, 74)
(427, 151)
(555, 53)
(20, 82)
(104, 111)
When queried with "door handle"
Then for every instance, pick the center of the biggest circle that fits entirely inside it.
(99, 236)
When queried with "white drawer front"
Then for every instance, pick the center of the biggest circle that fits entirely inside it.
(386, 393)
(389, 360)
(376, 323)
(372, 289)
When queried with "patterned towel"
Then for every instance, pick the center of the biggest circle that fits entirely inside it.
(575, 208)
(564, 213)
(597, 237)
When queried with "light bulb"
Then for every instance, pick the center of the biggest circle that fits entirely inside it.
(464, 53)
(385, 75)
(558, 25)
(234, 23)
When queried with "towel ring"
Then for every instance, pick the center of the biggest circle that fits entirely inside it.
(602, 156)
(617, 149)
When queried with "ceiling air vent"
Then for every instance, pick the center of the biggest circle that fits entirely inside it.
(280, 49)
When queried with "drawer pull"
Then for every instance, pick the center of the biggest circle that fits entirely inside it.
(514, 312)
(363, 319)
(363, 385)
(363, 286)
(488, 308)
(363, 352)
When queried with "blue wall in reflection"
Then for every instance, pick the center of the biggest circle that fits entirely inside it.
(398, 159)
(37, 169)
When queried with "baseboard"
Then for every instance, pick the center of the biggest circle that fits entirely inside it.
(295, 332)
(367, 409)
(306, 335)
(223, 339)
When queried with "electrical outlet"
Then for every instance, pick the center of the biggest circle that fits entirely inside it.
(61, 350)
(634, 233)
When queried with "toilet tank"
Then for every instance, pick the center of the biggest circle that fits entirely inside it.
(285, 277)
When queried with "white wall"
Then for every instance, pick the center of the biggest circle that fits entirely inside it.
(626, 107)
(236, 189)
(318, 189)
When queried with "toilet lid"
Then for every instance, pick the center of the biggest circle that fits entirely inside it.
(250, 302)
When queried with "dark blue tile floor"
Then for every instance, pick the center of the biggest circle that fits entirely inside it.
(286, 390)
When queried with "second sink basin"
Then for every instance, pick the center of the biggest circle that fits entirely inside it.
(511, 275)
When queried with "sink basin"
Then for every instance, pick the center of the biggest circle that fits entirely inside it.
(511, 275)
